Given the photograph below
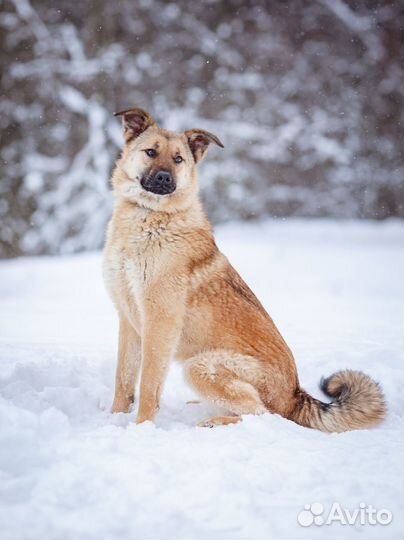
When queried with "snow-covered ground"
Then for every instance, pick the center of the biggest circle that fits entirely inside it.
(71, 470)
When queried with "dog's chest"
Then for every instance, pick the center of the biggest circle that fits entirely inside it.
(147, 256)
(135, 260)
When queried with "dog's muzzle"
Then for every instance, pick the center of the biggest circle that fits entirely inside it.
(161, 183)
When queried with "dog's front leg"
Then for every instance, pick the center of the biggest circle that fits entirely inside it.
(163, 317)
(129, 355)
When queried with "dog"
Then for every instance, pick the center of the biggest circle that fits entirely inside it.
(177, 296)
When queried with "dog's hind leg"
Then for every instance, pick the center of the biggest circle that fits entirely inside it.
(229, 380)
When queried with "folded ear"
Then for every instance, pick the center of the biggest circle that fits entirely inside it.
(199, 140)
(135, 122)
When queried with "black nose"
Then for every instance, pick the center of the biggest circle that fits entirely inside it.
(161, 183)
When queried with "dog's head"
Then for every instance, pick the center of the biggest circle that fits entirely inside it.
(158, 167)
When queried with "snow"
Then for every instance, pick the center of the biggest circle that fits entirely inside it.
(70, 469)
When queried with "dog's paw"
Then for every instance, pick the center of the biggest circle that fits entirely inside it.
(205, 423)
(121, 406)
(220, 421)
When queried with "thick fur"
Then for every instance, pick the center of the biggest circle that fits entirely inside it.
(358, 403)
(178, 296)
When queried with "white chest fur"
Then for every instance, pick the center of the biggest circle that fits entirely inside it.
(138, 252)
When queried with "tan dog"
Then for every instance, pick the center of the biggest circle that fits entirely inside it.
(178, 296)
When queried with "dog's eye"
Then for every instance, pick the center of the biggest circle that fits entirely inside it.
(178, 159)
(151, 152)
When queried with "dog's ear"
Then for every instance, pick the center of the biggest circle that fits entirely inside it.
(135, 122)
(199, 140)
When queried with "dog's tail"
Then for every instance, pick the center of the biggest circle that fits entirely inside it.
(358, 403)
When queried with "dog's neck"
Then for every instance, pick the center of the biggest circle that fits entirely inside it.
(192, 216)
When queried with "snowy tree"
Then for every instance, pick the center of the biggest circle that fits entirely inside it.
(306, 96)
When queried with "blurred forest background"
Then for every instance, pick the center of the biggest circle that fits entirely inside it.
(307, 97)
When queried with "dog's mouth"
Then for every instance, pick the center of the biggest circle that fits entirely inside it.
(162, 183)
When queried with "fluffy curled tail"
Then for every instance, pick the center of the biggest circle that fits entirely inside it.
(358, 403)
